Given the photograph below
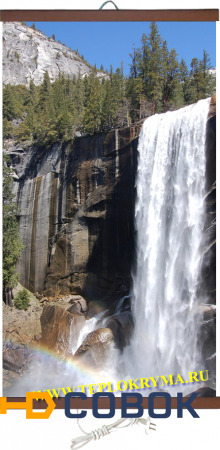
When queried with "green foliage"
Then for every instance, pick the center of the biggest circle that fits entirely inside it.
(8, 128)
(23, 132)
(93, 105)
(156, 77)
(17, 55)
(11, 241)
(13, 101)
(22, 299)
(157, 83)
(202, 82)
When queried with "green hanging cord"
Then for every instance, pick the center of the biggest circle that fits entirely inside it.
(109, 1)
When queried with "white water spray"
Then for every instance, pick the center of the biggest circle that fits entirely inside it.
(169, 221)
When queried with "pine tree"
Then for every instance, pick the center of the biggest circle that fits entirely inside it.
(170, 71)
(207, 86)
(134, 64)
(46, 131)
(92, 115)
(136, 81)
(154, 57)
(45, 98)
(143, 62)
(8, 129)
(185, 83)
(202, 82)
(12, 103)
(79, 102)
(196, 78)
(27, 128)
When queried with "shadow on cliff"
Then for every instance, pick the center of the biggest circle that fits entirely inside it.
(112, 257)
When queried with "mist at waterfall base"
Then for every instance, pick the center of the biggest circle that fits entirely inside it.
(50, 371)
(169, 219)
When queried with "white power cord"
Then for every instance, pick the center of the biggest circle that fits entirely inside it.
(107, 429)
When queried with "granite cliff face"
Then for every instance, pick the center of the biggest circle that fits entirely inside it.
(77, 214)
(208, 270)
(76, 219)
(27, 54)
(209, 254)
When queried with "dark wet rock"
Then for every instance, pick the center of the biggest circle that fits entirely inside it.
(96, 347)
(208, 270)
(122, 326)
(212, 109)
(14, 359)
(207, 339)
(82, 196)
(207, 289)
(60, 328)
(204, 392)
(78, 305)
(126, 304)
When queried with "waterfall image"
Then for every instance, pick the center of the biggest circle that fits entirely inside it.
(169, 218)
(109, 210)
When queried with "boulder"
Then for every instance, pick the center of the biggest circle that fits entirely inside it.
(96, 346)
(14, 359)
(208, 329)
(60, 328)
(207, 338)
(122, 326)
(78, 305)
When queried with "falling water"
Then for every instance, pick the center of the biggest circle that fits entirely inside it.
(169, 221)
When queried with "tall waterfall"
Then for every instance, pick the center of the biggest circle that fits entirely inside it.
(169, 222)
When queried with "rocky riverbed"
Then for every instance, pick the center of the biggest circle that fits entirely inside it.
(74, 332)
(64, 326)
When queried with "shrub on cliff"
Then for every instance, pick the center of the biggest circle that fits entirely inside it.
(22, 299)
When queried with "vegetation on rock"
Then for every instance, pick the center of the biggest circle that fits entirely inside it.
(22, 299)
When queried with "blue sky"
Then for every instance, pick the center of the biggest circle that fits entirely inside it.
(111, 42)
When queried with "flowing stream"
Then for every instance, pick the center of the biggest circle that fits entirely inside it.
(169, 219)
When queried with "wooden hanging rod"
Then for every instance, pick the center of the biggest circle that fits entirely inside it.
(76, 403)
(183, 15)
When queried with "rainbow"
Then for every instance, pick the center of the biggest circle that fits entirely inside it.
(81, 373)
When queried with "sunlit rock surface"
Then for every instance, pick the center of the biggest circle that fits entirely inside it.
(27, 54)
